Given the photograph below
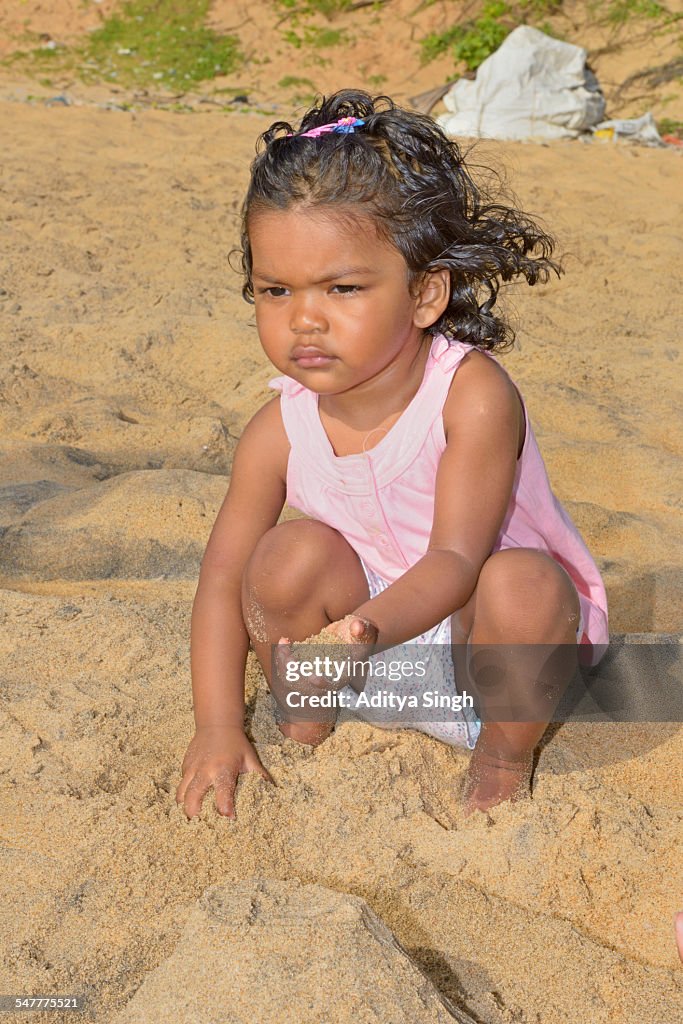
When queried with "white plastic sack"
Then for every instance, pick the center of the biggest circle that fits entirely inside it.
(533, 86)
(635, 129)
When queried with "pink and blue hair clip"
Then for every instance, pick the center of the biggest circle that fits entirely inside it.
(343, 126)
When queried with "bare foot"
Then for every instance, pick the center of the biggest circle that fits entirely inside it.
(491, 780)
(678, 925)
(310, 733)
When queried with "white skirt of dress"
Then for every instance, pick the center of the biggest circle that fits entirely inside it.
(462, 727)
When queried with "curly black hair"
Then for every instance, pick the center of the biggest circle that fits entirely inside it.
(402, 170)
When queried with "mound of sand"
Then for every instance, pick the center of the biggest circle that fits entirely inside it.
(139, 525)
(266, 950)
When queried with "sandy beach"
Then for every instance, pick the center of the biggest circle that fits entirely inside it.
(129, 365)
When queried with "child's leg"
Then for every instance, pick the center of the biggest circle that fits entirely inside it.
(301, 576)
(525, 601)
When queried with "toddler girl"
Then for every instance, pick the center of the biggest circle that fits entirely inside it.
(374, 261)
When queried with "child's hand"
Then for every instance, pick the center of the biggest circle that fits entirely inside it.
(216, 756)
(354, 630)
(290, 675)
(350, 630)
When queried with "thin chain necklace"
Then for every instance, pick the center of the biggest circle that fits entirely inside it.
(385, 430)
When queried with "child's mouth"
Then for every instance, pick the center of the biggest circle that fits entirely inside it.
(308, 356)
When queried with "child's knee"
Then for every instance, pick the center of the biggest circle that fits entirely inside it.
(286, 561)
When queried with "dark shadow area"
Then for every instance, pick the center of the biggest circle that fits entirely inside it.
(446, 980)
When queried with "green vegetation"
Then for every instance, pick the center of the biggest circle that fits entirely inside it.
(327, 7)
(317, 37)
(620, 11)
(290, 81)
(539, 8)
(304, 35)
(146, 42)
(667, 126)
(304, 89)
(473, 40)
(167, 43)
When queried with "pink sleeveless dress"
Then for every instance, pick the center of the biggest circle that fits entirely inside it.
(382, 500)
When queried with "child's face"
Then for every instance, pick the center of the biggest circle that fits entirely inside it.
(333, 307)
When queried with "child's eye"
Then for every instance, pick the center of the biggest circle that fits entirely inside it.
(272, 291)
(277, 291)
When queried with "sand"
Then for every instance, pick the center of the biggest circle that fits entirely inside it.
(324, 636)
(129, 365)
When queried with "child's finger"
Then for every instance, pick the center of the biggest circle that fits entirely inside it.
(224, 788)
(678, 924)
(194, 795)
(279, 686)
(362, 630)
(182, 787)
(359, 627)
(282, 654)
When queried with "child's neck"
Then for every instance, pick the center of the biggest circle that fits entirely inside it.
(356, 421)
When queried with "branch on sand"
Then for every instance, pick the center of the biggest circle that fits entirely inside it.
(352, 7)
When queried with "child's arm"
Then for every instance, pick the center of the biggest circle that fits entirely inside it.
(473, 489)
(219, 640)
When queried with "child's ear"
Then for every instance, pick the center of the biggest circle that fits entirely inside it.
(433, 297)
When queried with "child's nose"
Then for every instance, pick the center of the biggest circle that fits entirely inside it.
(306, 315)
